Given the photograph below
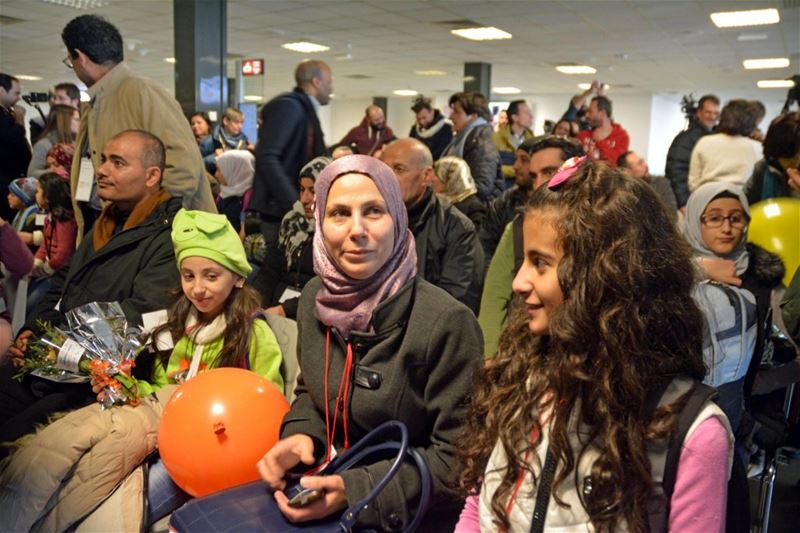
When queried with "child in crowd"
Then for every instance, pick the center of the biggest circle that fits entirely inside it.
(59, 159)
(214, 322)
(235, 172)
(736, 303)
(60, 229)
(569, 399)
(22, 199)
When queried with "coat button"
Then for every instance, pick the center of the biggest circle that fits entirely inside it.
(395, 522)
(374, 381)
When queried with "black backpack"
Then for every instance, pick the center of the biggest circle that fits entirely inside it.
(667, 455)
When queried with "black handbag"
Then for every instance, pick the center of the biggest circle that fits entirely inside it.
(251, 507)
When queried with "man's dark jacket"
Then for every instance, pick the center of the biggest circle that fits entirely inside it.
(15, 154)
(678, 157)
(501, 211)
(135, 268)
(438, 141)
(289, 137)
(449, 254)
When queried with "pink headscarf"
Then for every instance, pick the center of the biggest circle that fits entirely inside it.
(345, 303)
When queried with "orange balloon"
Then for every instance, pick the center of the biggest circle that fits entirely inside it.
(217, 426)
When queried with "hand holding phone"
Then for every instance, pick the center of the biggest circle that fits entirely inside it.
(300, 496)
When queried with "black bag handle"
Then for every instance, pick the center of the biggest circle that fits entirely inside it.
(366, 447)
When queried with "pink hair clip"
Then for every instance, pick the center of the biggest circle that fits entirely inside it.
(565, 172)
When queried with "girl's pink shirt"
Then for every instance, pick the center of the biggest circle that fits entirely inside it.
(701, 486)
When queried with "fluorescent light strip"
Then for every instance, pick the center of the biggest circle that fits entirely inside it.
(170, 60)
(505, 90)
(253, 98)
(26, 77)
(743, 37)
(775, 62)
(430, 72)
(405, 92)
(305, 47)
(576, 69)
(775, 84)
(737, 19)
(489, 33)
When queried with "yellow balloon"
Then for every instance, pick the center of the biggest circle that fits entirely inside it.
(775, 226)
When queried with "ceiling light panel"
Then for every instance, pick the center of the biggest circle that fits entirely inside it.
(775, 62)
(737, 19)
(26, 77)
(576, 69)
(506, 90)
(405, 92)
(775, 84)
(430, 73)
(489, 33)
(305, 47)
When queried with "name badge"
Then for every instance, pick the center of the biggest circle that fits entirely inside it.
(288, 294)
(151, 321)
(83, 192)
(39, 221)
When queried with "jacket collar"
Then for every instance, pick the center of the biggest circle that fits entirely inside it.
(419, 212)
(111, 79)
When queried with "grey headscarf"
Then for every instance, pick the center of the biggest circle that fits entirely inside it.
(698, 201)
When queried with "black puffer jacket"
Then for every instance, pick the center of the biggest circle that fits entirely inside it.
(764, 273)
(135, 268)
(678, 157)
(449, 254)
(417, 367)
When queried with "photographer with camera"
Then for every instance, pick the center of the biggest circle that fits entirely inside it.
(702, 120)
(62, 94)
(15, 152)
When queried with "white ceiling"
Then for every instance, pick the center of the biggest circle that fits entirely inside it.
(638, 46)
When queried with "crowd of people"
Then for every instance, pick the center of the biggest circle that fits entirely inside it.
(537, 310)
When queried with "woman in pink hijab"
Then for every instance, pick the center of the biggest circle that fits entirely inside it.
(377, 343)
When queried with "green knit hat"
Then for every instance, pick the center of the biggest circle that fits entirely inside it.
(201, 234)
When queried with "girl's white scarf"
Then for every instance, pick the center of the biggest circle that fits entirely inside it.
(201, 336)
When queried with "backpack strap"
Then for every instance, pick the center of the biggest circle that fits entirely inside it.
(665, 454)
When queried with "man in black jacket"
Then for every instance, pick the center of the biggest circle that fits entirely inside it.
(680, 151)
(15, 152)
(127, 257)
(431, 127)
(289, 137)
(530, 172)
(449, 254)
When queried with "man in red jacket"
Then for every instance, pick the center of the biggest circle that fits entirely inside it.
(606, 140)
(371, 134)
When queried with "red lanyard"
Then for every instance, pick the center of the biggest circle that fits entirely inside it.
(341, 397)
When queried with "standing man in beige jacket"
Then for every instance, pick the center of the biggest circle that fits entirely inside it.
(121, 100)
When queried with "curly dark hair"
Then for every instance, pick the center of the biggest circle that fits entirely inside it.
(473, 103)
(55, 190)
(738, 117)
(94, 36)
(627, 323)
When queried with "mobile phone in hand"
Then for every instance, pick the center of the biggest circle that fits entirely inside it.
(300, 496)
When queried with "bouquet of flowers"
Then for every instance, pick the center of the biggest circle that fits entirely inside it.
(98, 344)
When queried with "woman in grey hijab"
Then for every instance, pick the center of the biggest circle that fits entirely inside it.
(454, 183)
(735, 292)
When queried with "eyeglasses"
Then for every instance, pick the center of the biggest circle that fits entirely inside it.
(67, 62)
(736, 220)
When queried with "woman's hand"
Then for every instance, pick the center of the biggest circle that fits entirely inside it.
(20, 346)
(98, 388)
(721, 270)
(275, 310)
(286, 454)
(794, 178)
(333, 499)
(26, 237)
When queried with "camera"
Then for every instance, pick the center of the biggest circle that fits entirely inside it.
(35, 98)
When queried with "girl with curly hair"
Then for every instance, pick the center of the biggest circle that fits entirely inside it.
(563, 417)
